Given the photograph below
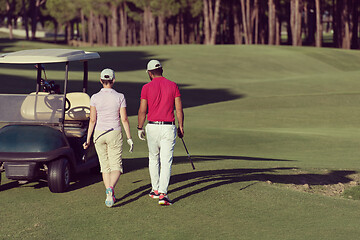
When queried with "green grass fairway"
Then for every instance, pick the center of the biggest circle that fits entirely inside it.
(254, 115)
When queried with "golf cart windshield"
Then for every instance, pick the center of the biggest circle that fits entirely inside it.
(31, 108)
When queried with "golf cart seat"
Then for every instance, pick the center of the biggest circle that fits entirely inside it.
(42, 107)
(47, 107)
(79, 106)
(77, 117)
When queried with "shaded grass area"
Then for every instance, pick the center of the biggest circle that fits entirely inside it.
(254, 115)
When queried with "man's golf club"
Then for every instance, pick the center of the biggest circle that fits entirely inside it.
(192, 164)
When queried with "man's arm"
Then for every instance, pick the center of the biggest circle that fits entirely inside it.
(142, 113)
(179, 115)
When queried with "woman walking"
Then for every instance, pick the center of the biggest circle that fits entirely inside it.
(107, 107)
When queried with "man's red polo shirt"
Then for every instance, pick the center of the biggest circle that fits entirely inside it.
(160, 94)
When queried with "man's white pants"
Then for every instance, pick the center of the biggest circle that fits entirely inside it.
(161, 141)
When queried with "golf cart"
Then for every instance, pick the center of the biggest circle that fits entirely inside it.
(41, 133)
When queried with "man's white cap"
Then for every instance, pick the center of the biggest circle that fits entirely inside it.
(107, 74)
(153, 64)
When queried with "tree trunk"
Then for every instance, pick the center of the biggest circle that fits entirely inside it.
(102, 30)
(245, 23)
(310, 25)
(113, 28)
(255, 21)
(9, 11)
(336, 23)
(215, 23)
(161, 30)
(123, 25)
(237, 29)
(295, 19)
(206, 22)
(36, 5)
(91, 27)
(177, 31)
(109, 31)
(211, 20)
(318, 38)
(278, 30)
(149, 29)
(99, 37)
(71, 35)
(182, 28)
(25, 19)
(34, 19)
(131, 33)
(83, 23)
(272, 22)
(171, 30)
(248, 21)
(355, 25)
(346, 25)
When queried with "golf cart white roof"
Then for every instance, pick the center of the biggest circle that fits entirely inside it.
(35, 56)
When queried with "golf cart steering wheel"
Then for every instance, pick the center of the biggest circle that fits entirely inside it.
(78, 112)
(67, 102)
(50, 104)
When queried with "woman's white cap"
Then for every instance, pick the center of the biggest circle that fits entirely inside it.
(107, 74)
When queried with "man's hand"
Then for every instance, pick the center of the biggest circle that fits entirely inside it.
(141, 134)
(131, 144)
(180, 132)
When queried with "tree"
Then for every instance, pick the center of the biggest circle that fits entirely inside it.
(272, 22)
(355, 24)
(63, 12)
(342, 23)
(245, 12)
(25, 18)
(319, 29)
(123, 18)
(34, 9)
(250, 20)
(10, 8)
(169, 20)
(211, 20)
(295, 21)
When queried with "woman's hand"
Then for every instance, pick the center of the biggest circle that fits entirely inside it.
(86, 145)
(131, 144)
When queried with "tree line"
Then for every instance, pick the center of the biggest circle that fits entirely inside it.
(158, 22)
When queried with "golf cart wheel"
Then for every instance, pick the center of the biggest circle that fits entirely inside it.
(59, 175)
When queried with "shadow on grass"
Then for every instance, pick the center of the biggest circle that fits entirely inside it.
(209, 179)
(191, 97)
(217, 178)
(120, 61)
(86, 179)
(203, 180)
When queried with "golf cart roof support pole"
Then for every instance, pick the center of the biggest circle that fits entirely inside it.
(65, 91)
(38, 78)
(85, 78)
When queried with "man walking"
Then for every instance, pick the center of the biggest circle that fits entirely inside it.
(158, 98)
